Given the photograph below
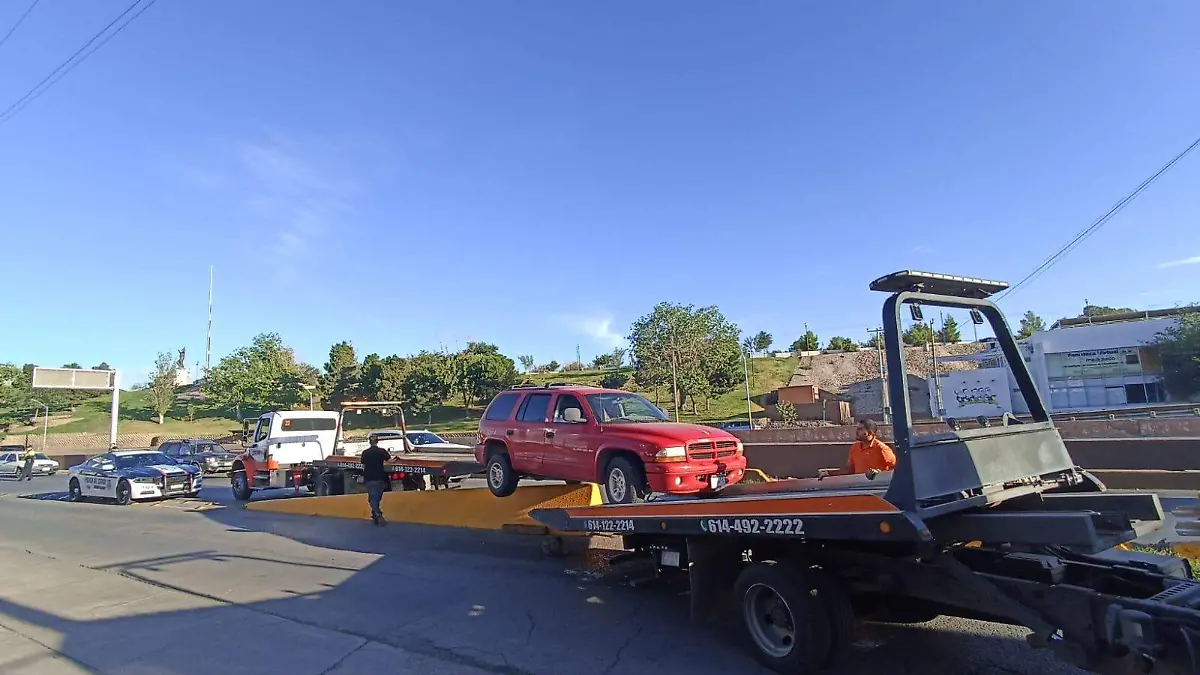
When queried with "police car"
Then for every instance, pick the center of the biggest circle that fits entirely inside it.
(130, 475)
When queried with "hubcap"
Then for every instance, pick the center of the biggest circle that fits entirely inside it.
(496, 474)
(617, 485)
(769, 620)
(239, 483)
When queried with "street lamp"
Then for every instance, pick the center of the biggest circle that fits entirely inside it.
(309, 388)
(45, 420)
(746, 371)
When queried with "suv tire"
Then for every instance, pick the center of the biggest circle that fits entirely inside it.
(624, 482)
(501, 478)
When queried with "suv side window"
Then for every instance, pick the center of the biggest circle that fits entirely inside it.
(534, 409)
(565, 402)
(184, 450)
(501, 408)
(169, 449)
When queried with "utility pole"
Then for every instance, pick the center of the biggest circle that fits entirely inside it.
(746, 368)
(883, 388)
(208, 343)
(937, 382)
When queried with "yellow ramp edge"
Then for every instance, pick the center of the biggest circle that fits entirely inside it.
(471, 508)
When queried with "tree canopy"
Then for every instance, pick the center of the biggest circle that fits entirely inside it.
(845, 344)
(694, 351)
(262, 376)
(949, 333)
(809, 342)
(1030, 324)
(1179, 349)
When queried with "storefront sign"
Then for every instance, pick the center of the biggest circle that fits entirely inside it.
(1095, 363)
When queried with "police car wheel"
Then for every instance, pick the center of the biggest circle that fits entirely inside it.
(124, 493)
(74, 492)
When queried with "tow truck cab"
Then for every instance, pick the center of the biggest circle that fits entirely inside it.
(281, 441)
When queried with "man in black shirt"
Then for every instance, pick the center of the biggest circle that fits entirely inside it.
(375, 478)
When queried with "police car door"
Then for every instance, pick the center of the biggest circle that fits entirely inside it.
(94, 480)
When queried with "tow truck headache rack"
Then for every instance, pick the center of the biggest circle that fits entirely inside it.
(995, 523)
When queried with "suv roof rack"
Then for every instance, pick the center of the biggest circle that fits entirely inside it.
(552, 385)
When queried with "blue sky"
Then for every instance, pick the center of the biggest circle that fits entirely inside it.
(538, 174)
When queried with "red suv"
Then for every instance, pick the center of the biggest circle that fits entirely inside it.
(606, 436)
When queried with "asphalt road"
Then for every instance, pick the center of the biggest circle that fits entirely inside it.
(189, 587)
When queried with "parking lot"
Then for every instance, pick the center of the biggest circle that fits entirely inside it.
(201, 586)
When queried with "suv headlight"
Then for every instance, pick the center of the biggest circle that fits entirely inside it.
(675, 453)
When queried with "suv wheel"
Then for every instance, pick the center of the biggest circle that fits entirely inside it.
(501, 478)
(624, 483)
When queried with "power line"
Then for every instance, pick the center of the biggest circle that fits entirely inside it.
(18, 23)
(74, 60)
(1097, 224)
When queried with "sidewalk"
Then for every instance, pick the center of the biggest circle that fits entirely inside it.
(57, 618)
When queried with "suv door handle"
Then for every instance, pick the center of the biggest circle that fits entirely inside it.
(510, 432)
(549, 433)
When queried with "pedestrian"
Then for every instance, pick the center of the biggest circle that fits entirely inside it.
(375, 478)
(27, 470)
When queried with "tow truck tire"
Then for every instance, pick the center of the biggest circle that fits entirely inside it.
(624, 483)
(240, 485)
(501, 478)
(783, 618)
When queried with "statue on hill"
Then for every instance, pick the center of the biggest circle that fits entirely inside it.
(182, 362)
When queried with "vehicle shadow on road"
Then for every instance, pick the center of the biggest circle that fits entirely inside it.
(320, 595)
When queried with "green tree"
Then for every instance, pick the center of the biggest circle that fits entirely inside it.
(787, 412)
(483, 372)
(839, 343)
(918, 334)
(618, 356)
(14, 391)
(1179, 350)
(572, 367)
(1030, 324)
(526, 362)
(76, 366)
(1103, 310)
(428, 381)
(809, 342)
(614, 380)
(262, 376)
(695, 352)
(949, 333)
(161, 386)
(341, 379)
(761, 341)
(103, 365)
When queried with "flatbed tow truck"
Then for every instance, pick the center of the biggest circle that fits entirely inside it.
(300, 449)
(995, 523)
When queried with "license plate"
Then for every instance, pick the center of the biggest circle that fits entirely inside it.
(670, 559)
(718, 481)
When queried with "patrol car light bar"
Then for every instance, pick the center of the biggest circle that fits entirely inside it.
(938, 284)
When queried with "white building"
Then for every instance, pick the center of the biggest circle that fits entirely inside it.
(1078, 365)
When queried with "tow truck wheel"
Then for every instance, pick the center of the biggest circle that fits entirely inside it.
(783, 618)
(501, 478)
(240, 485)
(624, 483)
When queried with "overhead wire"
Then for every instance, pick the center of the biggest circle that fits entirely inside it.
(75, 59)
(18, 23)
(1096, 224)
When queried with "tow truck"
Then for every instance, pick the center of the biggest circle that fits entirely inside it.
(994, 522)
(302, 449)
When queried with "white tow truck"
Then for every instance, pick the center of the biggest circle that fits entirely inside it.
(305, 449)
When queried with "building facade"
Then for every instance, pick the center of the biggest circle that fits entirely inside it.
(1102, 365)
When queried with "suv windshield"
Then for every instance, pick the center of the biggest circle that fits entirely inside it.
(142, 459)
(624, 408)
(208, 447)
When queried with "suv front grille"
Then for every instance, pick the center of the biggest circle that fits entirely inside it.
(176, 483)
(711, 450)
(726, 448)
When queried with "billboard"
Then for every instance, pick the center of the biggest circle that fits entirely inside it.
(1095, 363)
(72, 378)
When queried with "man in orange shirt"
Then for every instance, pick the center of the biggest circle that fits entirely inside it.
(868, 454)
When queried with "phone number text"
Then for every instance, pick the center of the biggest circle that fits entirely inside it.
(784, 526)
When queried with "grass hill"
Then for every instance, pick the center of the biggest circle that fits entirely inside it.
(191, 416)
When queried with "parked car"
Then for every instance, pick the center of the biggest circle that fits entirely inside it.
(12, 462)
(131, 475)
(392, 440)
(208, 456)
(615, 438)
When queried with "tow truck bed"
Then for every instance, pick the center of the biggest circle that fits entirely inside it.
(449, 465)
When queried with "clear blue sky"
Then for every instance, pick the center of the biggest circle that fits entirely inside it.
(538, 174)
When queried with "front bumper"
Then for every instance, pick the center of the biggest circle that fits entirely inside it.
(173, 489)
(692, 477)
